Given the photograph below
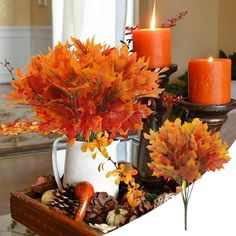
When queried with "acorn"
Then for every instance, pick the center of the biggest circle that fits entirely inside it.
(84, 192)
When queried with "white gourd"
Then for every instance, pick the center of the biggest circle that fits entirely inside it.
(116, 217)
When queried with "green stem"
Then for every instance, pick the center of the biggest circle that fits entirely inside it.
(191, 191)
(185, 215)
(186, 193)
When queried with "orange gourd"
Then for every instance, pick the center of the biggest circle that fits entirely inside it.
(84, 191)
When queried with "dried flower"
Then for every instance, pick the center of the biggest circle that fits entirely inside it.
(100, 205)
(8, 67)
(170, 100)
(129, 29)
(172, 22)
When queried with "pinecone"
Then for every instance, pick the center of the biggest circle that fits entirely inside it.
(99, 206)
(65, 201)
(162, 199)
(144, 206)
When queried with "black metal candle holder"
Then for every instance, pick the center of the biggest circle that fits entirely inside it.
(153, 122)
(214, 115)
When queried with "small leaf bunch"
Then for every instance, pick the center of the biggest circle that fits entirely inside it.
(81, 89)
(184, 152)
(99, 143)
(125, 173)
(13, 128)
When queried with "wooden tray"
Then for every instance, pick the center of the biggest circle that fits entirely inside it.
(27, 209)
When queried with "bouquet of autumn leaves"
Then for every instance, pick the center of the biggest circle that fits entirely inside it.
(184, 152)
(86, 92)
(82, 89)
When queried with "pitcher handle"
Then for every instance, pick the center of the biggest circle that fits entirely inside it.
(54, 161)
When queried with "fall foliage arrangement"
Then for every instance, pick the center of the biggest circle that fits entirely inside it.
(91, 92)
(184, 152)
(81, 89)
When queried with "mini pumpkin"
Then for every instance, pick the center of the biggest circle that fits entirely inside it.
(116, 217)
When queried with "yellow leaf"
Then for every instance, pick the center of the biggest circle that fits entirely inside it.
(101, 167)
(94, 155)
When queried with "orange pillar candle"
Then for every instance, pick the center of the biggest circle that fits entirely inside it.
(209, 81)
(153, 44)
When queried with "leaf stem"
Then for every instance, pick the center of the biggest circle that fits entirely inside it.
(185, 216)
(9, 68)
(186, 194)
(114, 163)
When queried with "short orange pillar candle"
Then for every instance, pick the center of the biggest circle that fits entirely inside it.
(209, 81)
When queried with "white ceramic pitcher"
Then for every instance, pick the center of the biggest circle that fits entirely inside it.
(80, 166)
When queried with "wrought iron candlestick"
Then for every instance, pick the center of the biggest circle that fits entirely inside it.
(153, 122)
(214, 115)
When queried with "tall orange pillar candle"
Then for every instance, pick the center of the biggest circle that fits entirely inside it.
(153, 44)
(209, 81)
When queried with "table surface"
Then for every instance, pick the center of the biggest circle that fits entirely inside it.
(211, 211)
(23, 142)
(9, 227)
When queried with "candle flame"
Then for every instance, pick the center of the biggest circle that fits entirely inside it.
(210, 59)
(153, 20)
